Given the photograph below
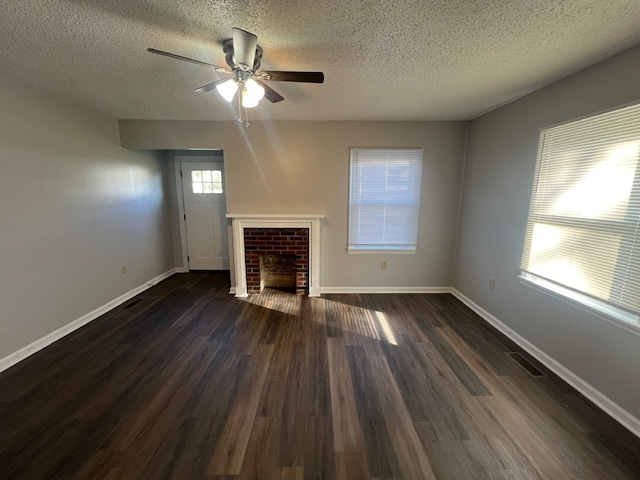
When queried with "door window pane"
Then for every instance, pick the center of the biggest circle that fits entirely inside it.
(206, 181)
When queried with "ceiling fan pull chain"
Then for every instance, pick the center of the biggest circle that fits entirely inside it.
(246, 117)
(239, 109)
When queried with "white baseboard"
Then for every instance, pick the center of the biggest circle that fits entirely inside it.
(232, 291)
(181, 270)
(47, 340)
(607, 405)
(385, 289)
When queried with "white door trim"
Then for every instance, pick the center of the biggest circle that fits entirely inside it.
(181, 214)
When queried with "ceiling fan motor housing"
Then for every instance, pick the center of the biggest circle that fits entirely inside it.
(227, 48)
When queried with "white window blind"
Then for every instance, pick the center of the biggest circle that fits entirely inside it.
(384, 199)
(583, 231)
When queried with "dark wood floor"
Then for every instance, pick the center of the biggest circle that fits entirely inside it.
(187, 382)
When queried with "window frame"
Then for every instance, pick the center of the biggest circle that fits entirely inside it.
(409, 249)
(629, 320)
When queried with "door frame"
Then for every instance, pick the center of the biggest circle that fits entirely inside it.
(177, 160)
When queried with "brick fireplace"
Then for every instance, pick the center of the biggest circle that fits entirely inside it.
(260, 244)
(284, 236)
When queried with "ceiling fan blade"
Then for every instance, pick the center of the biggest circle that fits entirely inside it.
(211, 86)
(269, 93)
(309, 77)
(187, 59)
(244, 48)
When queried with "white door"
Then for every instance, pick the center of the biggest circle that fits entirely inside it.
(205, 209)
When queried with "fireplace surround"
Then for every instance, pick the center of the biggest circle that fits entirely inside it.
(282, 223)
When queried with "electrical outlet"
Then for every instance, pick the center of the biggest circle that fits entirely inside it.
(123, 268)
(383, 264)
(492, 283)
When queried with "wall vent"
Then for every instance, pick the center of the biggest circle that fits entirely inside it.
(526, 364)
(134, 303)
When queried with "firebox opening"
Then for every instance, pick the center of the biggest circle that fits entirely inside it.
(278, 272)
(287, 242)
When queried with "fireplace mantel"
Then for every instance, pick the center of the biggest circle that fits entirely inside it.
(240, 221)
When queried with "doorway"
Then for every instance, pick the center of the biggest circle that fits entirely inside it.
(205, 208)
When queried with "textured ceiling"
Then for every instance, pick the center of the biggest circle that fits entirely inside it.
(383, 60)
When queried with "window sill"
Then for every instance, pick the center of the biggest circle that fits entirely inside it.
(378, 251)
(616, 316)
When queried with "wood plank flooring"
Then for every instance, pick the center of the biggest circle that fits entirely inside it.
(186, 382)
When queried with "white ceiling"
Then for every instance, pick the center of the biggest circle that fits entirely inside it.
(382, 59)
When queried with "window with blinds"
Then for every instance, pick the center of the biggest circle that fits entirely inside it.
(583, 231)
(384, 200)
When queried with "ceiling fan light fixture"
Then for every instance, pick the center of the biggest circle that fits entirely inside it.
(252, 93)
(227, 89)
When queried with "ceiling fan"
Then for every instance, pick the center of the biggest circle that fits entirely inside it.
(243, 55)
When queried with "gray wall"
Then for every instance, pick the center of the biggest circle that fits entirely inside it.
(74, 206)
(499, 170)
(303, 167)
